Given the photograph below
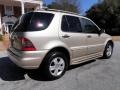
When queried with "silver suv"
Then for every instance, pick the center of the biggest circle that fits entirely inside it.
(53, 40)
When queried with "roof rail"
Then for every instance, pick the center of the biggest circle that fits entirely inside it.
(56, 10)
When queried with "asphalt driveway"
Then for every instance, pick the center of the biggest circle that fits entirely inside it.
(94, 75)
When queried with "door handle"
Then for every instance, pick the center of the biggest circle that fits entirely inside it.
(65, 36)
(89, 36)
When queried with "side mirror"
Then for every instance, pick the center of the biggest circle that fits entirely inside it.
(102, 31)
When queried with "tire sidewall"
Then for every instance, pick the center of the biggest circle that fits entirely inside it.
(105, 52)
(47, 63)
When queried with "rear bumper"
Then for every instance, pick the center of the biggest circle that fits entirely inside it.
(27, 60)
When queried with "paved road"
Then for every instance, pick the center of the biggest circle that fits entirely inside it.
(95, 75)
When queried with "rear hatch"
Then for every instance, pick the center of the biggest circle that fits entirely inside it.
(29, 22)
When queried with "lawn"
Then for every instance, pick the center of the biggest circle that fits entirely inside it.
(1, 38)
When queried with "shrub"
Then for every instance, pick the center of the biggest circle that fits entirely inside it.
(1, 38)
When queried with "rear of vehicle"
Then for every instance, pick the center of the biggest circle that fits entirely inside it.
(26, 39)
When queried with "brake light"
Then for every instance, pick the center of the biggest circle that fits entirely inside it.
(27, 45)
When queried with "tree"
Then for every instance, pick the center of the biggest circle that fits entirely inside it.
(113, 3)
(106, 15)
(67, 5)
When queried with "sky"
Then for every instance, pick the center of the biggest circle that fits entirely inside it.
(85, 4)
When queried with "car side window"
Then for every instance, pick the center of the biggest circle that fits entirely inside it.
(71, 24)
(65, 26)
(88, 26)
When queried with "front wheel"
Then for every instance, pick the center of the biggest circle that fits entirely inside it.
(108, 51)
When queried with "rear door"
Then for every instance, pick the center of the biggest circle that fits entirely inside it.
(71, 35)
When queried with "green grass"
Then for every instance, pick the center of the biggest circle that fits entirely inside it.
(1, 38)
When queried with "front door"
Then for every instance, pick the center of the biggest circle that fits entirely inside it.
(95, 41)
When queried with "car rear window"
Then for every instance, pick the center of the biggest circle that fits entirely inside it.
(33, 21)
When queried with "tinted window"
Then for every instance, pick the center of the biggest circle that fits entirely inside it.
(71, 24)
(65, 26)
(34, 21)
(88, 26)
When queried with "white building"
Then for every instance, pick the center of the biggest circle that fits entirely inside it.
(10, 10)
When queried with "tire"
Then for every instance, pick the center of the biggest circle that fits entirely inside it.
(54, 65)
(108, 51)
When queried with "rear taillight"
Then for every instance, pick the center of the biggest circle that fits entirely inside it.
(26, 44)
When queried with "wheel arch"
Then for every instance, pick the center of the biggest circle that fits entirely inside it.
(109, 41)
(63, 50)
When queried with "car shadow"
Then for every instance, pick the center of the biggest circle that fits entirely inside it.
(9, 71)
(36, 75)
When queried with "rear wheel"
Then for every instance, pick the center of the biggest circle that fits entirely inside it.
(108, 51)
(55, 65)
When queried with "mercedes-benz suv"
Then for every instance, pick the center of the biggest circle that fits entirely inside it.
(53, 40)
